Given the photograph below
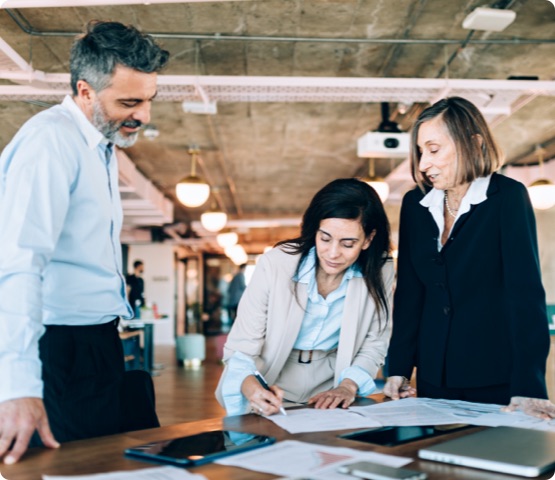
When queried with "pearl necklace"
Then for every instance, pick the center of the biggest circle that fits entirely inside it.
(449, 209)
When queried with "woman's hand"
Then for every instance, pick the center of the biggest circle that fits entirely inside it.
(263, 402)
(341, 396)
(398, 387)
(536, 407)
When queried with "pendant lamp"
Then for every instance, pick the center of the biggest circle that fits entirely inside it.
(377, 183)
(542, 191)
(214, 219)
(227, 239)
(192, 191)
(237, 254)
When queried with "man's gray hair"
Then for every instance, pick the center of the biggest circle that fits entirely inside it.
(96, 53)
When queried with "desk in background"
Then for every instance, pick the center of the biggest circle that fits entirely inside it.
(131, 341)
(105, 454)
(147, 326)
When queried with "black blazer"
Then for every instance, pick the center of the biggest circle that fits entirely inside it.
(474, 314)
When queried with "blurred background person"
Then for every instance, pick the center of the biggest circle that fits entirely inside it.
(469, 307)
(136, 287)
(314, 317)
(235, 291)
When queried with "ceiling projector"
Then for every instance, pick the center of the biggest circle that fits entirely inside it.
(384, 145)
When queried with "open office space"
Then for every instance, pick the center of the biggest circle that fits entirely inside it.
(263, 103)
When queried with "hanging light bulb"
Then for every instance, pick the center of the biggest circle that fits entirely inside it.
(227, 239)
(377, 183)
(542, 191)
(237, 254)
(214, 219)
(192, 191)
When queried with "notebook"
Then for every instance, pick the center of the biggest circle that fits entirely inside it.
(517, 451)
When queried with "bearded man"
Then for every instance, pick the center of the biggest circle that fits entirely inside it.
(61, 275)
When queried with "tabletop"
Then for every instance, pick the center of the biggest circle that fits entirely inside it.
(105, 454)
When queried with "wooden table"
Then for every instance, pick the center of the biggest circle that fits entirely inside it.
(105, 454)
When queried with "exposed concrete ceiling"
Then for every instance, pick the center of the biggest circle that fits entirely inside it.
(275, 141)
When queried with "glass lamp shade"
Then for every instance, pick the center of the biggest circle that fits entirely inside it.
(237, 254)
(542, 194)
(192, 191)
(213, 220)
(380, 185)
(227, 239)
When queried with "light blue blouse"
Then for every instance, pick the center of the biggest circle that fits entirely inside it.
(319, 331)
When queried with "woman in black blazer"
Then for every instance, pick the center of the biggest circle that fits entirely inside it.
(469, 308)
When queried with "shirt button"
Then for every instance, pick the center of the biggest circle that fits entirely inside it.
(446, 310)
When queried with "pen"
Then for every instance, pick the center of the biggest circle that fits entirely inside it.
(265, 386)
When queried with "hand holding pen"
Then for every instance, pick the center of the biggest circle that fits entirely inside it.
(265, 401)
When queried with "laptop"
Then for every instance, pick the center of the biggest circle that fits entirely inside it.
(517, 451)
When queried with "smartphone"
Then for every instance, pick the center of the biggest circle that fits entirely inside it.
(198, 449)
(375, 471)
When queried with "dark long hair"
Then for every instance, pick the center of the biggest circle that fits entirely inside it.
(351, 199)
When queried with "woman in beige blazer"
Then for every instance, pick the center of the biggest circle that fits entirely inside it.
(314, 319)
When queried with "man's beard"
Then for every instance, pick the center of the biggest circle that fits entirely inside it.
(111, 129)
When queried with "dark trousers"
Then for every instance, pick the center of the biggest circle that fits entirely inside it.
(87, 392)
(499, 394)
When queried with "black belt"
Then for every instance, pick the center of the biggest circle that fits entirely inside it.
(108, 325)
(307, 356)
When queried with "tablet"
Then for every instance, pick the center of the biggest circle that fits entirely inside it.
(392, 436)
(200, 448)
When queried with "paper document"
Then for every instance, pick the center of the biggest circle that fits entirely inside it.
(156, 473)
(313, 420)
(307, 460)
(490, 415)
(407, 412)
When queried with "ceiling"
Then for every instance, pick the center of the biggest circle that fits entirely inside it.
(296, 83)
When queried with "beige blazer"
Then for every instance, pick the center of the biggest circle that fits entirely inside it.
(269, 318)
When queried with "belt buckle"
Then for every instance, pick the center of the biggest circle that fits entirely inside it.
(301, 357)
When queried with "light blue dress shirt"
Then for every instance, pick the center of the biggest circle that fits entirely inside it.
(60, 254)
(320, 330)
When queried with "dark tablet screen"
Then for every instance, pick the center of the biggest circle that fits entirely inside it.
(390, 436)
(200, 448)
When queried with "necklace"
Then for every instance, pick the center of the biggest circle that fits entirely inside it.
(452, 212)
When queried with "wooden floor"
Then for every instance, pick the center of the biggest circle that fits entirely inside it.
(187, 394)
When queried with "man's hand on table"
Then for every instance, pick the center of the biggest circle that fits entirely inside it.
(19, 418)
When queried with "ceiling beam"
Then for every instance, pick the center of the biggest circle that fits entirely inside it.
(92, 3)
(496, 95)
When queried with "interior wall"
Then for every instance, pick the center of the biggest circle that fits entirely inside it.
(159, 277)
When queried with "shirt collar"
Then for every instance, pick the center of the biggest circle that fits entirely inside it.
(476, 193)
(93, 137)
